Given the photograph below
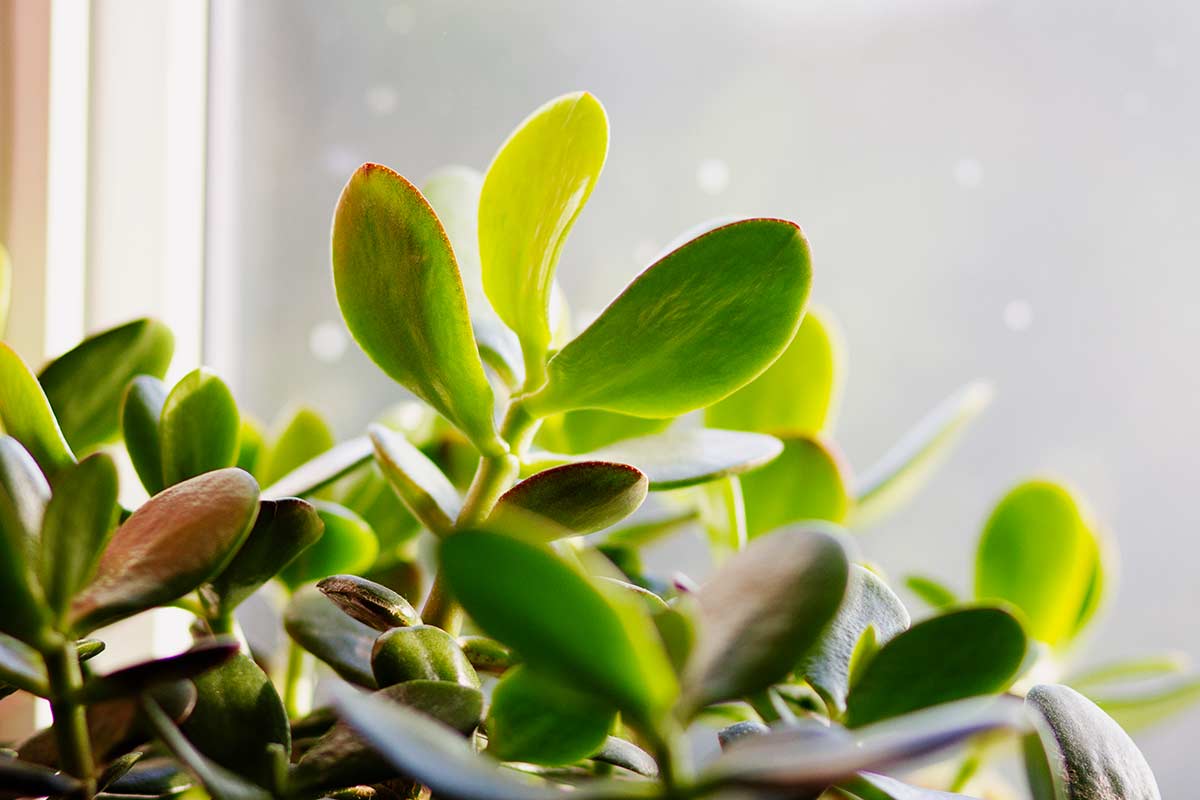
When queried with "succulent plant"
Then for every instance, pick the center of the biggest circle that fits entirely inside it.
(542, 658)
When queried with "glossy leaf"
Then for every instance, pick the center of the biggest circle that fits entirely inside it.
(282, 530)
(368, 602)
(807, 481)
(486, 655)
(421, 486)
(762, 611)
(322, 470)
(21, 779)
(320, 627)
(79, 520)
(956, 655)
(539, 720)
(869, 603)
(85, 384)
(691, 329)
(559, 621)
(1038, 552)
(682, 457)
(341, 758)
(582, 497)
(586, 430)
(1080, 753)
(903, 469)
(141, 410)
(935, 594)
(534, 190)
(26, 415)
(401, 295)
(170, 546)
(23, 498)
(198, 428)
(301, 437)
(134, 680)
(347, 545)
(799, 393)
(420, 652)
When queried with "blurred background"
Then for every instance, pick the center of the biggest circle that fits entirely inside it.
(991, 190)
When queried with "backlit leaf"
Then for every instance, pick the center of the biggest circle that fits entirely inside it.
(198, 428)
(322, 470)
(300, 438)
(807, 481)
(23, 498)
(422, 487)
(347, 545)
(26, 415)
(539, 720)
(935, 594)
(588, 429)
(141, 410)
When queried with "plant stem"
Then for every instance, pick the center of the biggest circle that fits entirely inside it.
(296, 658)
(70, 720)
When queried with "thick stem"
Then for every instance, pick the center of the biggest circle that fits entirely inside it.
(70, 719)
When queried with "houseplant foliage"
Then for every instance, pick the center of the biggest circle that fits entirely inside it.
(544, 660)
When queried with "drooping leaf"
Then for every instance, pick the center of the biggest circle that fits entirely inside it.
(587, 430)
(761, 612)
(170, 546)
(347, 544)
(956, 655)
(134, 680)
(341, 757)
(869, 603)
(85, 384)
(26, 415)
(282, 531)
(79, 519)
(198, 428)
(559, 621)
(1038, 551)
(23, 498)
(420, 652)
(582, 497)
(903, 469)
(141, 410)
(681, 457)
(693, 328)
(532, 194)
(368, 602)
(322, 470)
(935, 594)
(539, 720)
(807, 481)
(401, 295)
(1079, 753)
(320, 627)
(421, 486)
(798, 394)
(299, 438)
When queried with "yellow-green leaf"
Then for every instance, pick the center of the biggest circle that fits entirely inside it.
(299, 438)
(198, 429)
(538, 720)
(26, 414)
(807, 481)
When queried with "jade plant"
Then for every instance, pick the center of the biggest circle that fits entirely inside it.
(469, 608)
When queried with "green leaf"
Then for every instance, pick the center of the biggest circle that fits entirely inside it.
(582, 497)
(347, 545)
(322, 470)
(252, 445)
(761, 612)
(282, 531)
(811, 757)
(1038, 551)
(23, 498)
(808, 481)
(21, 667)
(171, 545)
(722, 512)
(903, 469)
(420, 652)
(1084, 754)
(368, 602)
(85, 384)
(402, 298)
(206, 654)
(341, 758)
(935, 594)
(21, 779)
(588, 429)
(958, 654)
(1137, 709)
(532, 194)
(435, 755)
(681, 457)
(198, 428)
(869, 786)
(538, 720)
(869, 604)
(799, 393)
(298, 439)
(420, 485)
(26, 415)
(693, 328)
(1131, 669)
(320, 627)
(79, 520)
(559, 621)
(141, 409)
